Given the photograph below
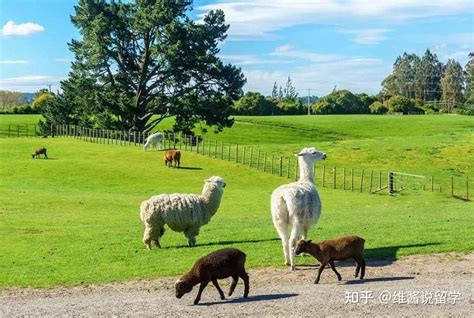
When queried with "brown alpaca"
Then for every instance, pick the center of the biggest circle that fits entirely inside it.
(171, 156)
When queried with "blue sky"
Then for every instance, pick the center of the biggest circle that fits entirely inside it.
(319, 43)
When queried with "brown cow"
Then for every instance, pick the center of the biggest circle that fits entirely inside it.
(172, 155)
(40, 151)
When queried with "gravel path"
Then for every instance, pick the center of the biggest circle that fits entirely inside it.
(427, 285)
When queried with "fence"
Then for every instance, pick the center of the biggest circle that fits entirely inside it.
(20, 130)
(349, 179)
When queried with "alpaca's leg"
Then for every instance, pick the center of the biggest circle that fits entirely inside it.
(191, 235)
(295, 233)
(280, 221)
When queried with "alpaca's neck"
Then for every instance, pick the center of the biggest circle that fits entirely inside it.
(306, 169)
(211, 197)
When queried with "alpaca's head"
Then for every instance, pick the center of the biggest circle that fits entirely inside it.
(215, 182)
(311, 154)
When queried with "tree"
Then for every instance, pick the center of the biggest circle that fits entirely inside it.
(469, 80)
(428, 74)
(342, 102)
(402, 79)
(146, 60)
(291, 107)
(452, 85)
(378, 108)
(42, 97)
(289, 91)
(9, 99)
(253, 103)
(400, 104)
(275, 91)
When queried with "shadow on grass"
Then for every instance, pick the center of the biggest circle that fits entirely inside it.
(190, 168)
(249, 299)
(377, 279)
(375, 257)
(226, 243)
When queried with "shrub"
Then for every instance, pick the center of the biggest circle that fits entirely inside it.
(378, 108)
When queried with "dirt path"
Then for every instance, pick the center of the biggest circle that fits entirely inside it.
(415, 285)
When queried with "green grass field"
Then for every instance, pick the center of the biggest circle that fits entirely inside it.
(74, 218)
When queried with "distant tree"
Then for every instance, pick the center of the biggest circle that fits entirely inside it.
(400, 104)
(9, 99)
(275, 91)
(280, 94)
(469, 80)
(378, 108)
(145, 60)
(289, 91)
(253, 103)
(42, 97)
(365, 101)
(342, 102)
(291, 107)
(402, 80)
(428, 74)
(452, 84)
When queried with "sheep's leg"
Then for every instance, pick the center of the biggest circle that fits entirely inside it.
(362, 270)
(321, 268)
(235, 279)
(245, 278)
(221, 293)
(295, 233)
(333, 267)
(201, 288)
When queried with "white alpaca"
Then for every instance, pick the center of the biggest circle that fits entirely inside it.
(153, 140)
(182, 212)
(297, 204)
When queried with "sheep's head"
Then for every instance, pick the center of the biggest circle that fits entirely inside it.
(301, 246)
(218, 181)
(312, 153)
(182, 287)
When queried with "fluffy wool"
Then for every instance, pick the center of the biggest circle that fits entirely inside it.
(297, 204)
(181, 212)
(153, 140)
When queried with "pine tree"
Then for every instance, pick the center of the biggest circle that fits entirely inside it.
(275, 91)
(469, 80)
(428, 77)
(290, 91)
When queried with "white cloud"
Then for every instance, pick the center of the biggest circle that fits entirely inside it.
(248, 59)
(367, 36)
(30, 83)
(321, 72)
(260, 18)
(63, 59)
(14, 62)
(10, 28)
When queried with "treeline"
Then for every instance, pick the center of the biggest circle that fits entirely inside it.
(19, 103)
(416, 85)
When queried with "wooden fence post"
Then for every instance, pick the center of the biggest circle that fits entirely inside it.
(215, 149)
(264, 162)
(243, 155)
(371, 179)
(222, 150)
(237, 153)
(230, 146)
(343, 178)
(197, 144)
(209, 148)
(334, 174)
(362, 180)
(296, 168)
(258, 159)
(272, 163)
(324, 175)
(250, 161)
(452, 186)
(432, 184)
(288, 168)
(281, 166)
(352, 179)
(467, 187)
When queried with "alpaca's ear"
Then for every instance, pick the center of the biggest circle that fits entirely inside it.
(309, 241)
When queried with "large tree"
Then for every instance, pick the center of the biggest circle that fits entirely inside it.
(402, 80)
(142, 61)
(469, 79)
(428, 74)
(452, 85)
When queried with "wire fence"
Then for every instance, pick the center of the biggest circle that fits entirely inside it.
(341, 178)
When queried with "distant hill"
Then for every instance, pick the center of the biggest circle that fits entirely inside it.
(29, 97)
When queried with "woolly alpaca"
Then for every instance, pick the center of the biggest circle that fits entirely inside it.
(297, 204)
(181, 212)
(153, 140)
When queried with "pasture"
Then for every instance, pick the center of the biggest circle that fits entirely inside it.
(74, 219)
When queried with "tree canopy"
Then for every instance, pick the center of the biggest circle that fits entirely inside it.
(139, 62)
